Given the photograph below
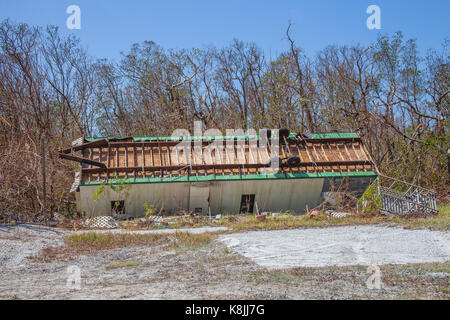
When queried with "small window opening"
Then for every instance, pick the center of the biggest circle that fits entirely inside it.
(118, 207)
(247, 203)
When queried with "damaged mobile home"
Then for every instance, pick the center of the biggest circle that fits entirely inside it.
(228, 177)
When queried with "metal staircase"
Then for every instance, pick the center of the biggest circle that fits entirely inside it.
(403, 198)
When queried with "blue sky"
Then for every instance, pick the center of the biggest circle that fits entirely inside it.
(109, 27)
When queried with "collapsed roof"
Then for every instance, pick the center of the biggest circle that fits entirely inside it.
(153, 159)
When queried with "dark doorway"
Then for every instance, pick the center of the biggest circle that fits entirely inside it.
(118, 206)
(247, 203)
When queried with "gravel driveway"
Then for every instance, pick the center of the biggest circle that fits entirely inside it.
(340, 246)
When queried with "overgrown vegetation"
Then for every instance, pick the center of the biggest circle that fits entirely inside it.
(52, 92)
(370, 201)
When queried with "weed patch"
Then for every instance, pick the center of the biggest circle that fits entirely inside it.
(122, 264)
(92, 242)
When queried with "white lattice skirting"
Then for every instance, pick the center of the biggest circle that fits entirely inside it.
(106, 222)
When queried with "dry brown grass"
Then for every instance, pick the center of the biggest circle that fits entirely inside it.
(440, 221)
(92, 242)
(409, 281)
(290, 221)
(238, 223)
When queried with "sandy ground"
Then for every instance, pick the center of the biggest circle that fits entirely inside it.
(340, 246)
(214, 271)
(19, 242)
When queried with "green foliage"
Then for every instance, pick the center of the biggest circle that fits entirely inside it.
(422, 163)
(119, 185)
(444, 208)
(99, 192)
(149, 209)
(72, 208)
(370, 201)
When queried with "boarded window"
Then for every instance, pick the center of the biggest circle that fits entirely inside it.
(247, 203)
(118, 206)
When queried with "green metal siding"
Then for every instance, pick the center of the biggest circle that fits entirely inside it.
(243, 177)
(323, 135)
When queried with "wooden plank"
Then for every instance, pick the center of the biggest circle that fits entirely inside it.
(151, 156)
(251, 154)
(309, 155)
(354, 150)
(339, 151)
(117, 157)
(177, 154)
(222, 166)
(315, 152)
(226, 154)
(143, 160)
(258, 155)
(324, 153)
(299, 152)
(91, 155)
(168, 156)
(349, 156)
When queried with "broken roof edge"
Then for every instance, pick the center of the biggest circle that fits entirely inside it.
(359, 174)
(319, 135)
